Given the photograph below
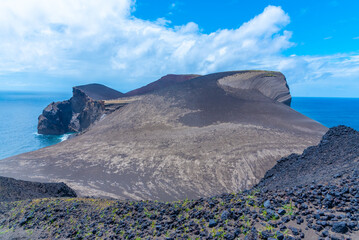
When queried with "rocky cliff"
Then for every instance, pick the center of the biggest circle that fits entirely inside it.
(192, 139)
(77, 114)
(271, 84)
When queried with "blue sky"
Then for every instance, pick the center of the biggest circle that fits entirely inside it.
(53, 45)
(319, 27)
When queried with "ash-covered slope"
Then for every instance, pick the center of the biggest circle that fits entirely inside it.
(192, 139)
(99, 92)
(337, 155)
(163, 82)
(15, 190)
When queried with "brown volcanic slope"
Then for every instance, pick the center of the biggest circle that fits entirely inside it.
(198, 138)
(163, 82)
(99, 92)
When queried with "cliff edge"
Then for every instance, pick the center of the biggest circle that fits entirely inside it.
(271, 84)
(75, 115)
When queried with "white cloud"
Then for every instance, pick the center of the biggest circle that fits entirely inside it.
(41, 35)
(162, 21)
(331, 75)
(93, 39)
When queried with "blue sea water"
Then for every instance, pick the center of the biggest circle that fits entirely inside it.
(18, 121)
(19, 113)
(329, 111)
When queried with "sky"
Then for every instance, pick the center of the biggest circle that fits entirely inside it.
(54, 45)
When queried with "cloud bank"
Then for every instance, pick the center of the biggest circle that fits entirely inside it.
(102, 41)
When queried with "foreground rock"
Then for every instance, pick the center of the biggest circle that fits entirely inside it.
(15, 190)
(325, 209)
(77, 114)
(336, 156)
(197, 138)
(290, 216)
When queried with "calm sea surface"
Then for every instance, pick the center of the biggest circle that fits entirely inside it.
(18, 122)
(330, 111)
(19, 113)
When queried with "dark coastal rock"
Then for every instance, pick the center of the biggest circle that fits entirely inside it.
(75, 115)
(15, 190)
(85, 110)
(55, 118)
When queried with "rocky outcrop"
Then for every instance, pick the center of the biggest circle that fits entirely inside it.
(85, 111)
(15, 190)
(336, 156)
(77, 114)
(55, 118)
(163, 82)
(306, 212)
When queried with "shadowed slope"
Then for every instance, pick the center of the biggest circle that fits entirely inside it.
(15, 190)
(163, 82)
(99, 91)
(192, 139)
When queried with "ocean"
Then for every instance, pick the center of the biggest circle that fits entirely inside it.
(18, 121)
(329, 111)
(19, 113)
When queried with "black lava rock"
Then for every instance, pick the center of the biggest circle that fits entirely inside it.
(340, 227)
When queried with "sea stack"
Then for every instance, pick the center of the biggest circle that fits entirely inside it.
(204, 136)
